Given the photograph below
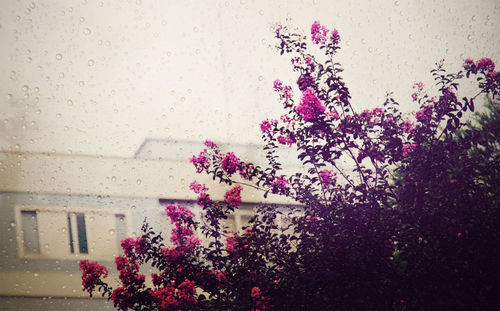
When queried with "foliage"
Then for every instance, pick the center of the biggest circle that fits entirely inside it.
(392, 213)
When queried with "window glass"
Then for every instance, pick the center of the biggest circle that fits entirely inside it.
(30, 232)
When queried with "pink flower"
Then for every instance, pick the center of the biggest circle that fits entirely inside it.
(230, 163)
(332, 115)
(414, 97)
(210, 144)
(128, 246)
(335, 37)
(141, 245)
(485, 64)
(197, 187)
(255, 292)
(408, 126)
(419, 86)
(408, 148)
(318, 33)
(328, 177)
(91, 274)
(231, 244)
(200, 162)
(178, 213)
(233, 196)
(310, 106)
(279, 185)
(204, 200)
(469, 65)
(246, 170)
(378, 112)
(285, 140)
(365, 114)
(425, 114)
(278, 85)
(170, 298)
(265, 126)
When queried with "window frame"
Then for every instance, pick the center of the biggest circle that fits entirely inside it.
(73, 211)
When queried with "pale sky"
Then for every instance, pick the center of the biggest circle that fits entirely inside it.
(98, 77)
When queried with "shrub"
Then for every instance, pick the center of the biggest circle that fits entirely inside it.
(408, 224)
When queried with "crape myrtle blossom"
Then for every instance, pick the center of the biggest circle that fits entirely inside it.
(183, 233)
(172, 298)
(91, 274)
(485, 65)
(310, 106)
(408, 127)
(259, 300)
(408, 148)
(197, 187)
(233, 196)
(328, 177)
(230, 163)
(424, 115)
(278, 185)
(201, 162)
(318, 33)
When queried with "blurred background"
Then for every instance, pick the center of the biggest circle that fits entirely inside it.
(103, 102)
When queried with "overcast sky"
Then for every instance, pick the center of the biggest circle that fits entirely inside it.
(98, 77)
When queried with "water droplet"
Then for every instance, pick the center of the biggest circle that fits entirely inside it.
(172, 109)
(28, 59)
(58, 115)
(138, 2)
(82, 19)
(87, 31)
(396, 3)
(81, 83)
(35, 275)
(12, 224)
(59, 56)
(113, 178)
(261, 78)
(70, 102)
(139, 181)
(261, 12)
(111, 231)
(61, 75)
(91, 62)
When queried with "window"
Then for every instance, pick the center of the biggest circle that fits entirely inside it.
(59, 233)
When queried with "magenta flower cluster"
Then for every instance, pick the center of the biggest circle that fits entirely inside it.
(310, 106)
(172, 298)
(91, 274)
(233, 196)
(484, 64)
(201, 162)
(230, 163)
